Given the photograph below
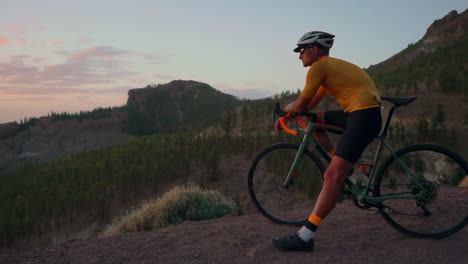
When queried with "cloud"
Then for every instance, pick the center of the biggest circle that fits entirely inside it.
(102, 52)
(18, 58)
(20, 42)
(36, 47)
(25, 29)
(57, 42)
(16, 29)
(37, 60)
(4, 41)
(81, 69)
(84, 40)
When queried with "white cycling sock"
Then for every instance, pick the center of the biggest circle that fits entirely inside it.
(306, 234)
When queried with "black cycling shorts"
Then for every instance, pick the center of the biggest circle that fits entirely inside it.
(361, 127)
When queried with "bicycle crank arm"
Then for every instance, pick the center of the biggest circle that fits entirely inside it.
(426, 213)
(378, 205)
(388, 210)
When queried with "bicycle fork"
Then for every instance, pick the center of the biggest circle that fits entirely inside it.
(297, 160)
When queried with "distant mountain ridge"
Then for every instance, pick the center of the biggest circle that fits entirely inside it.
(440, 33)
(177, 105)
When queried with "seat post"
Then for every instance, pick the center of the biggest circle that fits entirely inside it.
(389, 117)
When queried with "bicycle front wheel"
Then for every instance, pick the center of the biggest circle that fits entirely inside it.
(441, 182)
(291, 205)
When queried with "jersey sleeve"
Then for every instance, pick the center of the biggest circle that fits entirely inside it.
(321, 91)
(314, 79)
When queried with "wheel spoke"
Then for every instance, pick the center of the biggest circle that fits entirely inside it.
(441, 208)
(290, 205)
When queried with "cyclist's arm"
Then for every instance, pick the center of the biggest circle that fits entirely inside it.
(299, 105)
(313, 89)
(317, 98)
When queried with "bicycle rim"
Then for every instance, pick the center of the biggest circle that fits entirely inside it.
(267, 174)
(442, 179)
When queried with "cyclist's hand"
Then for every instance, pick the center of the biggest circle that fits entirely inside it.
(278, 127)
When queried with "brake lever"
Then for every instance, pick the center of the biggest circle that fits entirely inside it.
(274, 114)
(279, 111)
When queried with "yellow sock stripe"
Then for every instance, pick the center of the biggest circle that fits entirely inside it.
(315, 219)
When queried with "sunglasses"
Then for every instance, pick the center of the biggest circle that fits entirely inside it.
(303, 50)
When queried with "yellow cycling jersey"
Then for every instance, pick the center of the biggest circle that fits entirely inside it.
(350, 85)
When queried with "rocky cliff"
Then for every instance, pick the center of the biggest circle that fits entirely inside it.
(47, 138)
(441, 32)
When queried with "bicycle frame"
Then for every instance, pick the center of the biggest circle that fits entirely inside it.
(362, 194)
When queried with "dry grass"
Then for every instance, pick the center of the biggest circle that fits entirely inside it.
(179, 204)
(464, 182)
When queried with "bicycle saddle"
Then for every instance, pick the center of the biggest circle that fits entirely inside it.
(399, 101)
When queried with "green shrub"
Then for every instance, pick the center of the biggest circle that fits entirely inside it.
(180, 204)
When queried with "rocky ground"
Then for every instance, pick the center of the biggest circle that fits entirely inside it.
(348, 235)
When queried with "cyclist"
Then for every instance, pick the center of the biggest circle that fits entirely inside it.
(355, 91)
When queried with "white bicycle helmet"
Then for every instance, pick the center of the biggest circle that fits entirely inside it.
(323, 38)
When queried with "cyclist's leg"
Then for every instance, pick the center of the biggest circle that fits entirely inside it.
(333, 178)
(321, 136)
(361, 128)
(335, 118)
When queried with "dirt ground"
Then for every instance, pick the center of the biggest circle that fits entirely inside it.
(348, 235)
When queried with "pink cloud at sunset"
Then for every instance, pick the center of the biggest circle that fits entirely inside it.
(103, 52)
(17, 29)
(25, 29)
(57, 42)
(4, 41)
(20, 42)
(94, 67)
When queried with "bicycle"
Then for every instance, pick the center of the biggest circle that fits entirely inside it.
(416, 189)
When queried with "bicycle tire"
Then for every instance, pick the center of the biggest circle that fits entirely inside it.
(293, 205)
(442, 210)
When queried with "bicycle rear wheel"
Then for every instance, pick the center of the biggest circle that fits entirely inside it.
(267, 174)
(442, 209)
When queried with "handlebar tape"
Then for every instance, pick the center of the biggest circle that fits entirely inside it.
(299, 121)
(285, 127)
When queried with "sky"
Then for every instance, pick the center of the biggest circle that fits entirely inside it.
(70, 56)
